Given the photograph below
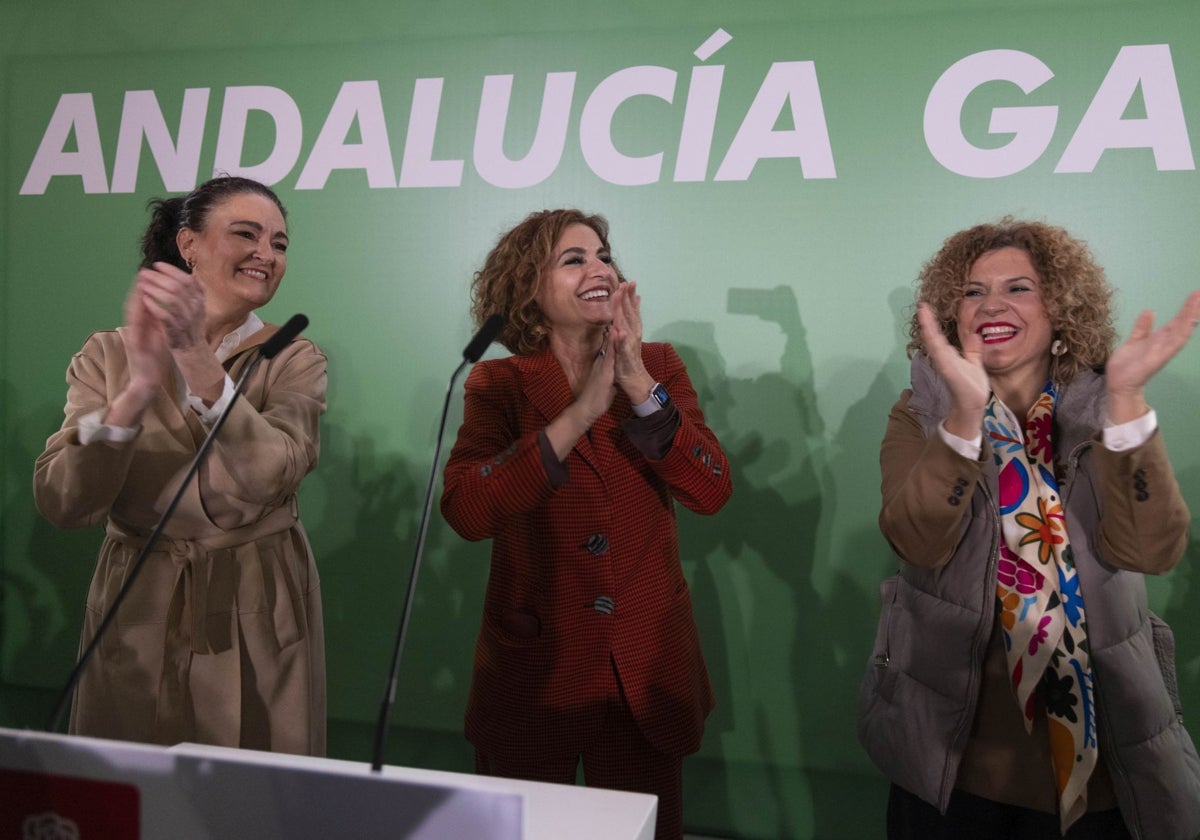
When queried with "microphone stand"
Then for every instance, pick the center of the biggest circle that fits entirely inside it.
(269, 349)
(474, 350)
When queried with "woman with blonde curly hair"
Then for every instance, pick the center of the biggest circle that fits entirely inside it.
(570, 458)
(1020, 686)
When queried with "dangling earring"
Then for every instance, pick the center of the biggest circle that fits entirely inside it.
(1058, 349)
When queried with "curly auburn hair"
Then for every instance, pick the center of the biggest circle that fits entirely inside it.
(512, 273)
(1074, 291)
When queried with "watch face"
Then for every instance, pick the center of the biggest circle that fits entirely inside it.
(660, 394)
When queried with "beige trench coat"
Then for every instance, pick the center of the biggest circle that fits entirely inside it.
(220, 640)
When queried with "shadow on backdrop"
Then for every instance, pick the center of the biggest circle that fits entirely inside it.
(780, 759)
(43, 585)
(366, 506)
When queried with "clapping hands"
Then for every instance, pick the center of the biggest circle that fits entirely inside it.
(962, 371)
(1144, 354)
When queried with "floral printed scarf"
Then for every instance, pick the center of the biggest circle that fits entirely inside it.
(1039, 600)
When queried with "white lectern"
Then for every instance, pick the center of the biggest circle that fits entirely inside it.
(73, 788)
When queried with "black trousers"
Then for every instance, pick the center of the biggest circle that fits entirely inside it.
(911, 818)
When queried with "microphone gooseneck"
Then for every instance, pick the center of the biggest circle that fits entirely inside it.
(479, 343)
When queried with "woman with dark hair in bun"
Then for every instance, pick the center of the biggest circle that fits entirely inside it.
(220, 639)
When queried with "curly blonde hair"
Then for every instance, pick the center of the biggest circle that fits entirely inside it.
(511, 276)
(1074, 291)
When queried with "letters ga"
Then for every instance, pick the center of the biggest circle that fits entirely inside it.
(789, 87)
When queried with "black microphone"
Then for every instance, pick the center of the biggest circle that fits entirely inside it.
(485, 336)
(268, 350)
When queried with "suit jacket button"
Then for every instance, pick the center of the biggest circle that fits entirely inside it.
(952, 500)
(596, 544)
(1142, 495)
(605, 605)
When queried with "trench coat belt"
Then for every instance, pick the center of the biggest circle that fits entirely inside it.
(193, 582)
(193, 557)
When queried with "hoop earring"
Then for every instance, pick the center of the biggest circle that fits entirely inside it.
(1058, 347)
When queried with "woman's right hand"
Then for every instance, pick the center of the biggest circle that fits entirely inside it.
(600, 386)
(594, 398)
(962, 371)
(148, 356)
(146, 344)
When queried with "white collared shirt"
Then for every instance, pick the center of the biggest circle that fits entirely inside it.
(1117, 438)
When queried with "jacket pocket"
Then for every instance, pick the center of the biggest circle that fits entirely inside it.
(512, 630)
(876, 680)
(1164, 652)
(520, 625)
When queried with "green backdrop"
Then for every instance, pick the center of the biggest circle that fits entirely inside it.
(773, 190)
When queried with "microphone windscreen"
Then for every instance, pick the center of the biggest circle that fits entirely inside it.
(486, 335)
(284, 336)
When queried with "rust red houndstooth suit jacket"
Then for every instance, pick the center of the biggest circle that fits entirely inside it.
(584, 576)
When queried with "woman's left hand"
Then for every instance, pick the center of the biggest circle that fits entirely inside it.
(625, 341)
(1143, 355)
(176, 299)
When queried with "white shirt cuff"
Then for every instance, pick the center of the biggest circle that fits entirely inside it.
(209, 414)
(91, 429)
(1116, 438)
(967, 448)
(1125, 436)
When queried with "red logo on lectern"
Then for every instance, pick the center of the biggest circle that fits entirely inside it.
(44, 806)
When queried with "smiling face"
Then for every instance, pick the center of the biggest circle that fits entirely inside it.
(241, 255)
(1002, 304)
(575, 290)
